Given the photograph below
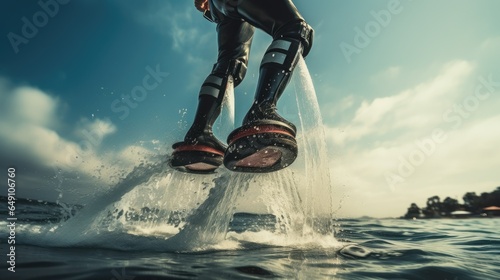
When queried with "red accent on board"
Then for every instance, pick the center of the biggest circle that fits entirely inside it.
(259, 130)
(200, 148)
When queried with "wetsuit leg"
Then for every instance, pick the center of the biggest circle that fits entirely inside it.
(292, 38)
(201, 151)
(278, 18)
(234, 40)
(266, 141)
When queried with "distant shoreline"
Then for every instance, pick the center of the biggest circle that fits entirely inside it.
(485, 205)
(450, 218)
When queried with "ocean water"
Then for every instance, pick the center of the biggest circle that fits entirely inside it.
(254, 248)
(157, 223)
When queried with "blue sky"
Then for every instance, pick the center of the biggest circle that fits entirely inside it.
(408, 90)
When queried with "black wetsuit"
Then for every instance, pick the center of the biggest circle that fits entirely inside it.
(236, 20)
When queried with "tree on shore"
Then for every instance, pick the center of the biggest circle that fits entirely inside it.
(472, 202)
(433, 208)
(449, 205)
(413, 212)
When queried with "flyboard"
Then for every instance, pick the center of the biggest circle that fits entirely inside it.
(259, 147)
(196, 158)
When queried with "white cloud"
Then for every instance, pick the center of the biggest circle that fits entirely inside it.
(346, 103)
(26, 120)
(473, 148)
(413, 108)
(26, 124)
(389, 130)
(388, 74)
(33, 106)
(94, 131)
(28, 137)
(490, 44)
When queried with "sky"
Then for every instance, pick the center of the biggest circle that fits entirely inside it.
(408, 92)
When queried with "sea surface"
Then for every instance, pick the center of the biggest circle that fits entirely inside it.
(253, 249)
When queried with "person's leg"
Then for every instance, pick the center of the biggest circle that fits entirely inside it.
(200, 146)
(292, 38)
(266, 141)
(234, 40)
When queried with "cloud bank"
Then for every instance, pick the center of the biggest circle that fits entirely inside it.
(32, 140)
(440, 135)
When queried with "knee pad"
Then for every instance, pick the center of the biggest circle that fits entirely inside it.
(215, 86)
(298, 30)
(282, 54)
(234, 67)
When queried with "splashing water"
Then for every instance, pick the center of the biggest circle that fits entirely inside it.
(225, 123)
(314, 159)
(159, 209)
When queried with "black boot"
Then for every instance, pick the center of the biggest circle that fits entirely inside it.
(266, 141)
(201, 133)
(201, 151)
(275, 72)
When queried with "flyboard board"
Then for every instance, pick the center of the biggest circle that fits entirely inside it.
(196, 158)
(260, 147)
